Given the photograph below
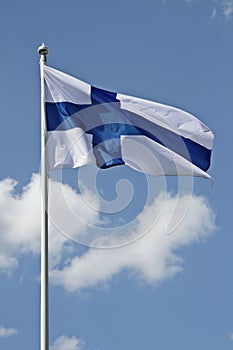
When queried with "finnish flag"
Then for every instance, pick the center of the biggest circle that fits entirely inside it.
(88, 125)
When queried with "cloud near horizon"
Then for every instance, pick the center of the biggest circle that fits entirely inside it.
(67, 343)
(151, 259)
(7, 332)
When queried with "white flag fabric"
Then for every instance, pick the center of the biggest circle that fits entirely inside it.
(88, 125)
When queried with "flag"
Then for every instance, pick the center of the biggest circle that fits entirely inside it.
(89, 125)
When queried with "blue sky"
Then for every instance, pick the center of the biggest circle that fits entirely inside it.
(164, 291)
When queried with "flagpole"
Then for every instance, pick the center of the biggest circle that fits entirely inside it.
(44, 306)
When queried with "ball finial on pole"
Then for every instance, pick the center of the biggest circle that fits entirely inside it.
(43, 51)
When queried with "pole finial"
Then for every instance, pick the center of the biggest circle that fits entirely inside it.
(43, 50)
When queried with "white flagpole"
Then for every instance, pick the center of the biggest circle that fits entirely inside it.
(44, 311)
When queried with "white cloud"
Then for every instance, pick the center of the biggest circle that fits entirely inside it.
(67, 343)
(7, 264)
(152, 258)
(20, 220)
(231, 336)
(227, 6)
(7, 332)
